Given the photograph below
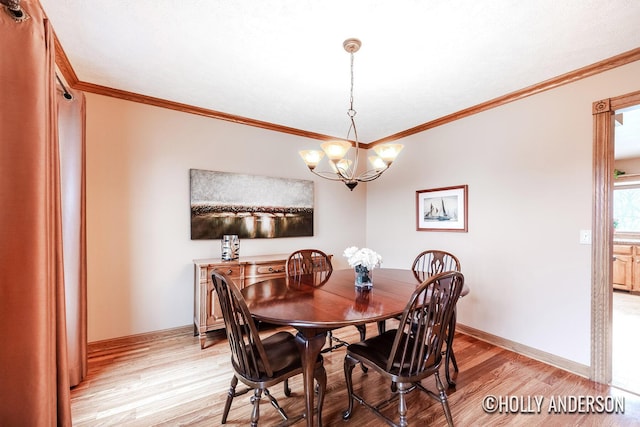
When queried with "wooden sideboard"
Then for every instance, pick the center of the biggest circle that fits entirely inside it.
(244, 271)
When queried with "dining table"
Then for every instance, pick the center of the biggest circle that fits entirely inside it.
(315, 308)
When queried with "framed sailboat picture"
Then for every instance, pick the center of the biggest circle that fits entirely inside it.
(442, 209)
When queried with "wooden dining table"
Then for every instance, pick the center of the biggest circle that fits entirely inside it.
(313, 309)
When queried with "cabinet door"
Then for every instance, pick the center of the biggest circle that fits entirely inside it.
(622, 271)
(635, 283)
(214, 312)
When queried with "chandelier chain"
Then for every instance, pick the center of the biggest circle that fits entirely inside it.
(351, 111)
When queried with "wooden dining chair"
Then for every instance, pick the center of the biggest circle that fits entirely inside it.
(429, 263)
(432, 262)
(259, 363)
(315, 267)
(426, 264)
(412, 352)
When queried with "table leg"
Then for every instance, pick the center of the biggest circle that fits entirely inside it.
(310, 347)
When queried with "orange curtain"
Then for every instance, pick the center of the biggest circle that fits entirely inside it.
(34, 370)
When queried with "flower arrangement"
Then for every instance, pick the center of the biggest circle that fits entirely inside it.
(364, 257)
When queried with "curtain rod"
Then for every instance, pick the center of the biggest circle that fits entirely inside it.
(13, 7)
(65, 91)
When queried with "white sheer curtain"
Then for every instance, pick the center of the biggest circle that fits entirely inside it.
(71, 136)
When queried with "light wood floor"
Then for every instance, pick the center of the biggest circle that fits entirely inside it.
(166, 379)
(626, 346)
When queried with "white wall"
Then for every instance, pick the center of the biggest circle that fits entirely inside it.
(528, 165)
(140, 270)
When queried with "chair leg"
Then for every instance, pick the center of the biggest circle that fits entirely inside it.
(363, 335)
(402, 403)
(449, 356)
(320, 374)
(453, 361)
(382, 327)
(443, 399)
(349, 363)
(287, 389)
(363, 331)
(275, 404)
(230, 395)
(255, 400)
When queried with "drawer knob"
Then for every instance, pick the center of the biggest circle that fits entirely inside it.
(229, 271)
(270, 268)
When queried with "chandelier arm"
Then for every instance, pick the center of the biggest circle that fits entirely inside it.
(371, 174)
(355, 134)
(329, 175)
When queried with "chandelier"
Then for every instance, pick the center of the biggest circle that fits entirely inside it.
(343, 167)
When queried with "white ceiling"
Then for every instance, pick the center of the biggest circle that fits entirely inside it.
(282, 62)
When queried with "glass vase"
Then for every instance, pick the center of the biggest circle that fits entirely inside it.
(363, 277)
(230, 247)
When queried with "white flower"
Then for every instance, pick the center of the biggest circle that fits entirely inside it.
(364, 257)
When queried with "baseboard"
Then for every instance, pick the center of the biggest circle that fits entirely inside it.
(542, 356)
(139, 338)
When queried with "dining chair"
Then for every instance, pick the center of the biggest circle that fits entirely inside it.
(431, 262)
(412, 352)
(315, 267)
(259, 363)
(426, 264)
(311, 264)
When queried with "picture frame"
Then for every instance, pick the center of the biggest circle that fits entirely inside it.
(442, 209)
(249, 206)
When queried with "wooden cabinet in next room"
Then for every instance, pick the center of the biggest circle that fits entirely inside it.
(626, 267)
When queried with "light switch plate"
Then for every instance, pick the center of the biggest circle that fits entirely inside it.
(585, 237)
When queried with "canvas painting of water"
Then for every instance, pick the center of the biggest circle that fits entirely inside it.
(250, 206)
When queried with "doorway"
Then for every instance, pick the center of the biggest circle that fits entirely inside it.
(603, 233)
(626, 249)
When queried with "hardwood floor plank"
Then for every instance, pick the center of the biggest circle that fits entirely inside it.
(165, 379)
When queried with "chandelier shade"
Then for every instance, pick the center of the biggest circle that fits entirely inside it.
(343, 168)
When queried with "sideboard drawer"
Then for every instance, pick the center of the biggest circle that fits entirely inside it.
(266, 269)
(257, 272)
(233, 271)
